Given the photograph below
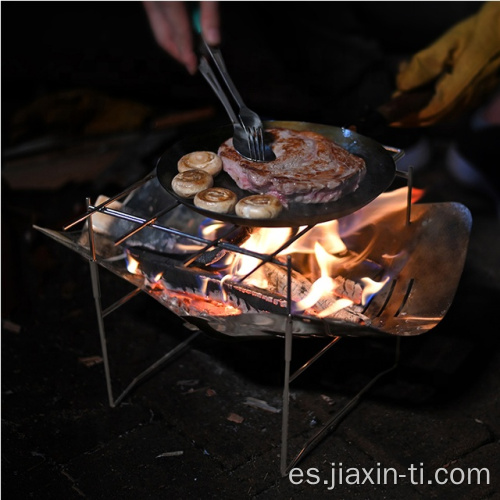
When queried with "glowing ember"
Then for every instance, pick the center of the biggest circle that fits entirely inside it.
(335, 308)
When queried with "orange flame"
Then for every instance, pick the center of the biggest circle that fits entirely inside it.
(371, 288)
(132, 265)
(320, 255)
(325, 245)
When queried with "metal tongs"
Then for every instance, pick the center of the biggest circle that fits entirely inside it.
(248, 136)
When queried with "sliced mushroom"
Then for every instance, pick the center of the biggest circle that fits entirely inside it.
(259, 206)
(190, 182)
(200, 160)
(216, 199)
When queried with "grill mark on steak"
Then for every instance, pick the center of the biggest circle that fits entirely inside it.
(309, 168)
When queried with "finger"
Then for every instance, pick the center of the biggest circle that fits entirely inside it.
(460, 91)
(161, 24)
(424, 67)
(437, 59)
(210, 22)
(446, 105)
(171, 28)
(182, 35)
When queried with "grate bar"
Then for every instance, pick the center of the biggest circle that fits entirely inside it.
(406, 296)
(265, 258)
(146, 223)
(388, 298)
(208, 246)
(91, 210)
(270, 257)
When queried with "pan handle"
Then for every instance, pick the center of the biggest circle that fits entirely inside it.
(372, 123)
(396, 153)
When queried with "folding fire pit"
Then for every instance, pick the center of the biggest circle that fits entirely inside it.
(389, 268)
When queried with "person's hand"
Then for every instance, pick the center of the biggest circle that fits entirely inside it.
(463, 66)
(172, 29)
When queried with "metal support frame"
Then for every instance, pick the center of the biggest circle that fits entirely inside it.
(101, 314)
(285, 467)
(349, 406)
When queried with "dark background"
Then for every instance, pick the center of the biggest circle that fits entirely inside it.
(310, 61)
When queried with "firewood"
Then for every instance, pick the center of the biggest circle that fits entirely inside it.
(277, 277)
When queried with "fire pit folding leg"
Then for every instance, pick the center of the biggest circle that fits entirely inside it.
(96, 291)
(409, 179)
(286, 395)
(336, 418)
(349, 406)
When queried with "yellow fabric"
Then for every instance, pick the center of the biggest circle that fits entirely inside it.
(465, 64)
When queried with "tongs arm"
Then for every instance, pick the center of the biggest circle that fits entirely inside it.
(246, 141)
(248, 137)
(210, 77)
(216, 55)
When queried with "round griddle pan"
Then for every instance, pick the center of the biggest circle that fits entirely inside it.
(380, 173)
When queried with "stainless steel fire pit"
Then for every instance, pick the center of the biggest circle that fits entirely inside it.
(421, 259)
(417, 250)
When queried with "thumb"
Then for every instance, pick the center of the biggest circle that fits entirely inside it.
(210, 22)
(423, 68)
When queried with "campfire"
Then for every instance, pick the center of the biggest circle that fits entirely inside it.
(391, 267)
(374, 262)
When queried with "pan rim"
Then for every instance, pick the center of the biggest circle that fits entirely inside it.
(380, 173)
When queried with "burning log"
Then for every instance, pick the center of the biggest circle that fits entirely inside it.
(341, 302)
(195, 289)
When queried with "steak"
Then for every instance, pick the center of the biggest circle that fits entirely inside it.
(309, 168)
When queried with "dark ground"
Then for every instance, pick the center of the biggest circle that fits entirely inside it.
(176, 436)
